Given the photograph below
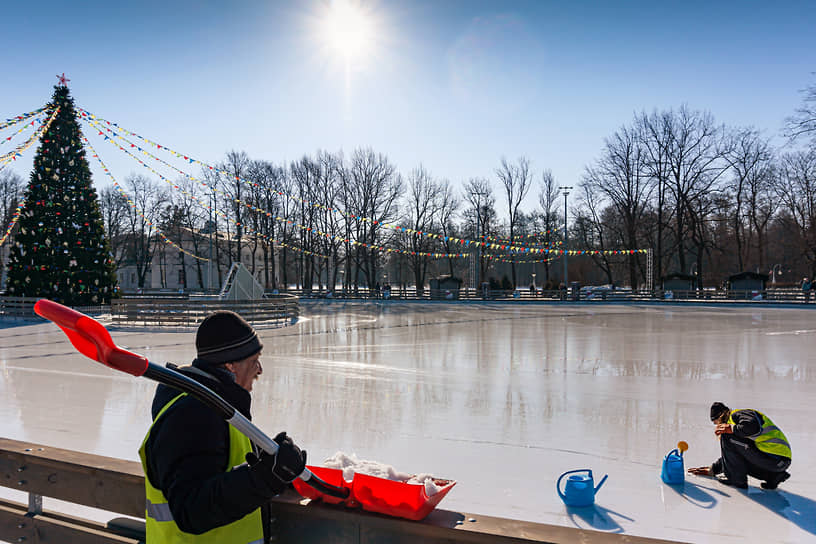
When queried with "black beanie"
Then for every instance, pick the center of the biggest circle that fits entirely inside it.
(225, 337)
(717, 409)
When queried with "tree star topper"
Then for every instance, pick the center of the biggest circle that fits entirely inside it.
(63, 80)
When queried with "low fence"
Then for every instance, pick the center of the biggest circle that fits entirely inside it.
(792, 296)
(23, 307)
(280, 309)
(116, 485)
(274, 310)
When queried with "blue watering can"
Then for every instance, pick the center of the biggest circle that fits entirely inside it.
(673, 472)
(580, 488)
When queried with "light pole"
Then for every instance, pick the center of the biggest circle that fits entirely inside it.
(209, 263)
(478, 194)
(774, 273)
(566, 190)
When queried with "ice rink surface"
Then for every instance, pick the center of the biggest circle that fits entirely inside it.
(502, 398)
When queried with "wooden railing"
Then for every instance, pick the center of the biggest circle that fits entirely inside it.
(116, 485)
(274, 310)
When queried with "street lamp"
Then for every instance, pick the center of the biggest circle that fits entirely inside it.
(478, 194)
(566, 190)
(774, 272)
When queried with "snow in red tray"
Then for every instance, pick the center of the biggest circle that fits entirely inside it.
(377, 487)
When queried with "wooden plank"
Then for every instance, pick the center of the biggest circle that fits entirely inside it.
(117, 485)
(90, 480)
(45, 528)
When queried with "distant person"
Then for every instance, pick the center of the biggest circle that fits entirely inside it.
(198, 486)
(750, 445)
(806, 286)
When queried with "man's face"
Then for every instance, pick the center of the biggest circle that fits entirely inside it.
(722, 418)
(246, 371)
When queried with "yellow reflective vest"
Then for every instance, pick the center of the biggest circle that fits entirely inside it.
(159, 524)
(770, 438)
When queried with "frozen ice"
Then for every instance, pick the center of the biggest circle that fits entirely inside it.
(502, 398)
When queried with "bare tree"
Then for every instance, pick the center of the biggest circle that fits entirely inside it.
(591, 227)
(481, 214)
(373, 197)
(115, 211)
(421, 210)
(448, 205)
(749, 157)
(305, 174)
(185, 218)
(11, 193)
(149, 200)
(548, 215)
(655, 129)
(796, 187)
(695, 163)
(802, 124)
(330, 223)
(268, 178)
(233, 172)
(620, 177)
(516, 179)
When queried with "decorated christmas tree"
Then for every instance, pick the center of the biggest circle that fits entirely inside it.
(60, 250)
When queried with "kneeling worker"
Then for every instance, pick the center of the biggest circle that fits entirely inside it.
(198, 486)
(751, 445)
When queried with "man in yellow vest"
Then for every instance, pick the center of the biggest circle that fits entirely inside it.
(750, 445)
(199, 488)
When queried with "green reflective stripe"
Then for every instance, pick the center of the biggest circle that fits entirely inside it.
(159, 511)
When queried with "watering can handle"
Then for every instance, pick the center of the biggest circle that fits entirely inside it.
(601, 482)
(558, 483)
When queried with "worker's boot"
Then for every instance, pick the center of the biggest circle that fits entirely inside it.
(774, 482)
(727, 481)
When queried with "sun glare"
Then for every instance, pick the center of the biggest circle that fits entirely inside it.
(347, 29)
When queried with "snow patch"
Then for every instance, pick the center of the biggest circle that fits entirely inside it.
(350, 464)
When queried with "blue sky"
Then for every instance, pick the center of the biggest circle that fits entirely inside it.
(454, 85)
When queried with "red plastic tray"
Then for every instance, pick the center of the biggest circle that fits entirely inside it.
(398, 499)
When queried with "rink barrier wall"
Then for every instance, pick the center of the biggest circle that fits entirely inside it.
(274, 310)
(116, 486)
(589, 295)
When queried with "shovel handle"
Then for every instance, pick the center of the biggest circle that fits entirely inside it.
(93, 340)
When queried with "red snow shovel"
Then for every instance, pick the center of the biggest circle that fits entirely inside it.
(92, 339)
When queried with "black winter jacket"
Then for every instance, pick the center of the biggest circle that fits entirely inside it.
(187, 455)
(747, 423)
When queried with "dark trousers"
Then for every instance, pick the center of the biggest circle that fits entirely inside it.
(741, 458)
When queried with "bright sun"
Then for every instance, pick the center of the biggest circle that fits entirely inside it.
(347, 29)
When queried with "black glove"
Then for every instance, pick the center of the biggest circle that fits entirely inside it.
(283, 467)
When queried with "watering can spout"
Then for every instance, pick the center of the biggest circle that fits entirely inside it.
(598, 487)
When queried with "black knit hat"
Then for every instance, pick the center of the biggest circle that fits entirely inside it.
(225, 337)
(717, 410)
